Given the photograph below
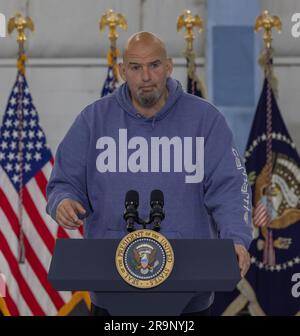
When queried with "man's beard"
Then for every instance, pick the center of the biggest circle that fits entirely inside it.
(148, 99)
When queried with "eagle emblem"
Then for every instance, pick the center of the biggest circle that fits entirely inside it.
(144, 258)
(283, 210)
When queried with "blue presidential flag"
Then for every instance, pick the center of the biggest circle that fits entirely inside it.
(272, 285)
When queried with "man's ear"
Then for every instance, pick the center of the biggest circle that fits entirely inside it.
(169, 67)
(122, 71)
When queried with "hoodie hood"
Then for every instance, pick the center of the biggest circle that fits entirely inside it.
(123, 97)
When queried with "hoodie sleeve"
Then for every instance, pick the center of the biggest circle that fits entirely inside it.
(227, 191)
(68, 177)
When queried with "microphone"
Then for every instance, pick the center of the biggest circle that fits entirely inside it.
(157, 213)
(131, 205)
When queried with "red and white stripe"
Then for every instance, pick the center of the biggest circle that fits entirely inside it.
(261, 216)
(27, 290)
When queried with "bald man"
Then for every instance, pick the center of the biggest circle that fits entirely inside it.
(146, 68)
(148, 135)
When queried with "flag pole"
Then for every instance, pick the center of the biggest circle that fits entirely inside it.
(113, 20)
(267, 22)
(188, 22)
(20, 23)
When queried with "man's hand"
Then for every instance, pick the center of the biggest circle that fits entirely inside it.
(67, 214)
(244, 258)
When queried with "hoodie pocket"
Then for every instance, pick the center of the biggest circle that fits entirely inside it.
(117, 234)
(114, 234)
(171, 234)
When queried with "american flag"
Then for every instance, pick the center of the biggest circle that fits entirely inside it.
(25, 166)
(109, 85)
(261, 215)
(111, 80)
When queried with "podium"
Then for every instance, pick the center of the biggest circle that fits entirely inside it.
(200, 265)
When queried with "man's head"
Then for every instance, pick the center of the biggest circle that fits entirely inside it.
(145, 68)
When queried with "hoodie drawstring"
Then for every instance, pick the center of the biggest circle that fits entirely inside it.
(153, 122)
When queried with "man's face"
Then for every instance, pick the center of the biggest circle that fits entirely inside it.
(146, 69)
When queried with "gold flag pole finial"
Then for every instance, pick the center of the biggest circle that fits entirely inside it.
(20, 23)
(188, 21)
(112, 20)
(267, 22)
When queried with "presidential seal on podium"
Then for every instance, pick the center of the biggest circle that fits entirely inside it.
(144, 258)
